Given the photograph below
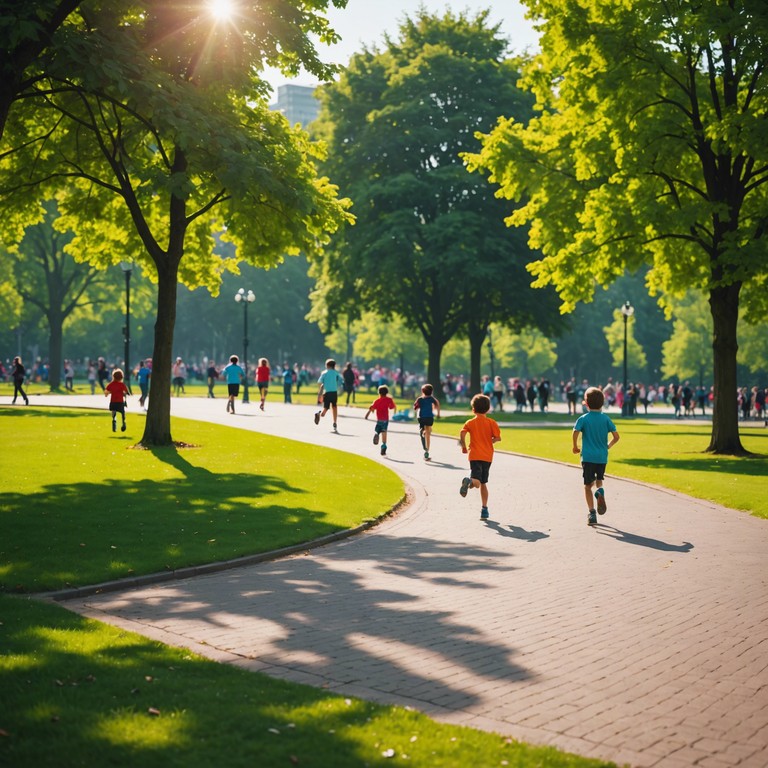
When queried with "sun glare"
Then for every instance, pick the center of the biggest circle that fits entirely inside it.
(221, 10)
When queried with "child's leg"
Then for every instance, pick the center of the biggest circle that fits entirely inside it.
(483, 493)
(589, 496)
(335, 411)
(427, 433)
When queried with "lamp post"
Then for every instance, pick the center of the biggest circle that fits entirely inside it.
(627, 311)
(246, 297)
(127, 267)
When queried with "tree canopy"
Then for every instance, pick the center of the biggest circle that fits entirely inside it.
(650, 146)
(155, 127)
(429, 242)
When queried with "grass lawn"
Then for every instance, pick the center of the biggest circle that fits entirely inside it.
(80, 505)
(667, 453)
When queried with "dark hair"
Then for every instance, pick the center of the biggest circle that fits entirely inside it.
(594, 398)
(233, 359)
(427, 390)
(383, 390)
(330, 363)
(481, 403)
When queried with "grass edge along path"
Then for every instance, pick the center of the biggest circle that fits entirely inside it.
(80, 692)
(111, 511)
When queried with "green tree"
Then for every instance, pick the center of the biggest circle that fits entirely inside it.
(650, 147)
(527, 352)
(429, 244)
(158, 126)
(47, 277)
(688, 351)
(753, 348)
(26, 31)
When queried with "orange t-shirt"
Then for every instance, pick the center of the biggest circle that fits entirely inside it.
(481, 429)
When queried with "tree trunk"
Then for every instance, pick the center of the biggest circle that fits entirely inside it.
(724, 304)
(55, 346)
(435, 351)
(477, 334)
(157, 430)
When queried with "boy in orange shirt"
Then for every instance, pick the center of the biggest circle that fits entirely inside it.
(483, 433)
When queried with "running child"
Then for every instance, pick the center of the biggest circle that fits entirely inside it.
(594, 427)
(382, 405)
(483, 434)
(117, 392)
(329, 382)
(427, 408)
(233, 374)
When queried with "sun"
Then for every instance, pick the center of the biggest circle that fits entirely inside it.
(221, 10)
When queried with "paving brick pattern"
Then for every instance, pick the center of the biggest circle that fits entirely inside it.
(643, 641)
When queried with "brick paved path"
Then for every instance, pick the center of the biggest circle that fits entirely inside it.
(644, 641)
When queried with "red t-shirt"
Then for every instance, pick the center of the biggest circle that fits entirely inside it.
(382, 407)
(117, 391)
(262, 374)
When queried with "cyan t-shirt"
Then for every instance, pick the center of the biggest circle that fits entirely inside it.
(595, 427)
(233, 373)
(331, 379)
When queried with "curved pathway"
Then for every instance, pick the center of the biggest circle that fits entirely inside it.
(642, 641)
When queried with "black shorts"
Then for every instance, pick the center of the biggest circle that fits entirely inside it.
(592, 472)
(427, 421)
(233, 389)
(329, 399)
(479, 470)
(117, 408)
(381, 426)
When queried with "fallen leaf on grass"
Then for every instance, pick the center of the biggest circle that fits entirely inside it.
(153, 711)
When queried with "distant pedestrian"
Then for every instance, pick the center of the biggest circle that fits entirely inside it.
(287, 383)
(69, 376)
(498, 393)
(329, 383)
(483, 434)
(117, 391)
(262, 380)
(350, 382)
(18, 373)
(212, 374)
(234, 375)
(179, 373)
(382, 405)
(594, 427)
(144, 374)
(427, 408)
(91, 375)
(102, 374)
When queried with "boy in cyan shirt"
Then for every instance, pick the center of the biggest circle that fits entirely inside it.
(594, 427)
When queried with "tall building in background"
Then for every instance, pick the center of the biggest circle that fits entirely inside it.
(297, 103)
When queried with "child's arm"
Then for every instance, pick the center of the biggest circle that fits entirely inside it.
(576, 434)
(462, 440)
(495, 439)
(368, 412)
(615, 436)
(437, 408)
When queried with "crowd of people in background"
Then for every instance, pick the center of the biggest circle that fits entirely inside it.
(521, 394)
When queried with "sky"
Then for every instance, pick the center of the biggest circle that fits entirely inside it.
(366, 21)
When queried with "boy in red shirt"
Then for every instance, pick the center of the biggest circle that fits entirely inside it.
(117, 392)
(382, 405)
(262, 380)
(483, 433)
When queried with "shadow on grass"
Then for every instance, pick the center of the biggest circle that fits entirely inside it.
(89, 532)
(750, 466)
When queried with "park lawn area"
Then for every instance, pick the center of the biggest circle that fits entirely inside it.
(666, 453)
(78, 692)
(82, 505)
